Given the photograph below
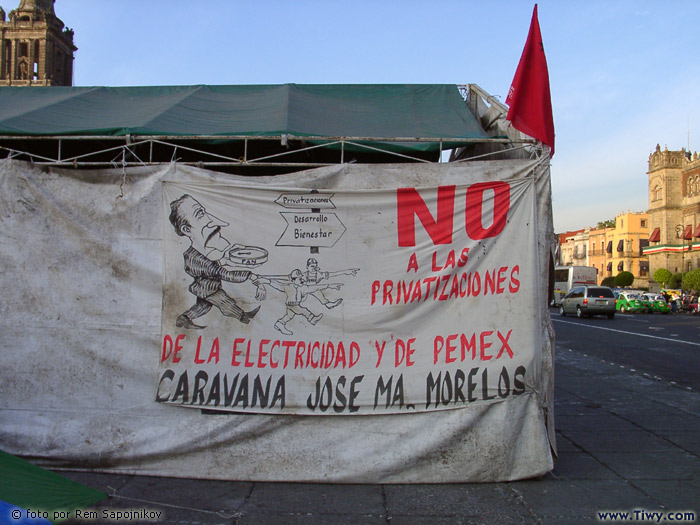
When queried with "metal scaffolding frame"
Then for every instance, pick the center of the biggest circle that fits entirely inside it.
(127, 150)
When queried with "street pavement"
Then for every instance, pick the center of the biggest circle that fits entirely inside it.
(627, 443)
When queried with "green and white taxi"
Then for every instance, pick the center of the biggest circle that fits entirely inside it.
(656, 303)
(629, 302)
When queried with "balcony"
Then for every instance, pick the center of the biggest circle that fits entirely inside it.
(631, 254)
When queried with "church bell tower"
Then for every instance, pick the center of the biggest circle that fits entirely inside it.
(35, 48)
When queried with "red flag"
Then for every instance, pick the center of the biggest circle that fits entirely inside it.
(530, 104)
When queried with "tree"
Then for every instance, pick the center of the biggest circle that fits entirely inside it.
(609, 282)
(623, 279)
(610, 223)
(662, 276)
(675, 281)
(691, 280)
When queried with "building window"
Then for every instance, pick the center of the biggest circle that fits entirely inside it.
(643, 268)
(656, 193)
(6, 58)
(35, 60)
(644, 223)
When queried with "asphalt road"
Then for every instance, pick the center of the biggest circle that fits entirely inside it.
(663, 347)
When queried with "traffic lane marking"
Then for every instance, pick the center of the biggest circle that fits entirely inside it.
(629, 333)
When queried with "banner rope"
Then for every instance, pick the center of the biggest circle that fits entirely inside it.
(222, 514)
(489, 154)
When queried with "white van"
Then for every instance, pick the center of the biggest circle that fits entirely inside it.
(566, 277)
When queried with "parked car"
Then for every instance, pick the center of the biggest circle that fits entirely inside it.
(629, 302)
(656, 303)
(690, 303)
(588, 300)
(692, 306)
(646, 303)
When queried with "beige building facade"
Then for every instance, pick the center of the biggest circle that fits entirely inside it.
(574, 248)
(35, 48)
(597, 241)
(625, 247)
(611, 250)
(674, 211)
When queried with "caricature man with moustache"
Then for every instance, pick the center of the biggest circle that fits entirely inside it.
(203, 262)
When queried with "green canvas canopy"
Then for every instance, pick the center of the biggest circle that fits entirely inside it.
(306, 110)
(244, 123)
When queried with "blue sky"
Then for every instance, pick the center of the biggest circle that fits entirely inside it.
(624, 75)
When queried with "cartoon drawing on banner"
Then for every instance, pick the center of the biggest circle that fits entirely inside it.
(314, 275)
(384, 302)
(206, 259)
(297, 290)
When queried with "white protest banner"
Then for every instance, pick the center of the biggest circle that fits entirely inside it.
(301, 301)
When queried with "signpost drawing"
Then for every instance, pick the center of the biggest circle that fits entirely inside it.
(309, 226)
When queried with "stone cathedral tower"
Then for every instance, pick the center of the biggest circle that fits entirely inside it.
(674, 211)
(35, 48)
